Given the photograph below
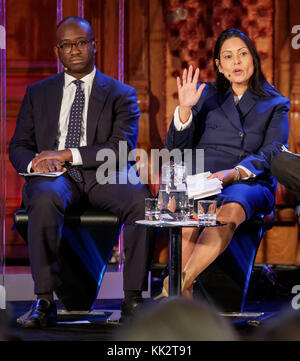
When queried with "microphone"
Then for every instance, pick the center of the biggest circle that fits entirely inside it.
(66, 68)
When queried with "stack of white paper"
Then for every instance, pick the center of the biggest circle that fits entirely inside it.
(46, 174)
(200, 187)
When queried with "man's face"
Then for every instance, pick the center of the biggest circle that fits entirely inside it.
(79, 60)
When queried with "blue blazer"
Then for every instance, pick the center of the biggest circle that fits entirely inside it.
(249, 136)
(113, 116)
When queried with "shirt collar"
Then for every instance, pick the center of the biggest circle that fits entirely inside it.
(88, 79)
(237, 98)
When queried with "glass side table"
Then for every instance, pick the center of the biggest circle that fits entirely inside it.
(175, 248)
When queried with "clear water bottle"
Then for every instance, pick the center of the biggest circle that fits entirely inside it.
(173, 199)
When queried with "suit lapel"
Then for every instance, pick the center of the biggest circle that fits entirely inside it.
(97, 100)
(54, 94)
(228, 106)
(246, 103)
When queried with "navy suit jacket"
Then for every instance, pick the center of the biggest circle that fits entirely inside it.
(112, 116)
(249, 137)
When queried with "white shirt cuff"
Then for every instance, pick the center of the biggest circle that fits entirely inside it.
(178, 124)
(249, 173)
(77, 160)
(29, 167)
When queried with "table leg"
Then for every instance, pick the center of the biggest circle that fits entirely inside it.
(175, 251)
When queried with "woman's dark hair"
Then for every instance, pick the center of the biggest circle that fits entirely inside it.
(257, 79)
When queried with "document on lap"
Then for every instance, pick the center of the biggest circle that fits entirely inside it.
(47, 174)
(284, 149)
(199, 186)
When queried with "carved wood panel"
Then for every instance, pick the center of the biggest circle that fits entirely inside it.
(193, 27)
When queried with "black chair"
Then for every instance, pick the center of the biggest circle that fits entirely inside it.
(88, 239)
(225, 282)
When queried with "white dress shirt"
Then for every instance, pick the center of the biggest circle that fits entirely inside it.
(69, 91)
(179, 126)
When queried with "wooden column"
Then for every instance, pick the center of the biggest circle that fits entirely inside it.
(2, 147)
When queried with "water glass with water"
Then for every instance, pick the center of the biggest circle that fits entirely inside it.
(207, 212)
(151, 209)
(173, 198)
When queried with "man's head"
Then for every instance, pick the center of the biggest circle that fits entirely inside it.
(75, 46)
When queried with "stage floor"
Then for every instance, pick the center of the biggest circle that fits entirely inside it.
(93, 326)
(266, 302)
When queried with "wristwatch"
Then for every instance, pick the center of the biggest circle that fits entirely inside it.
(238, 174)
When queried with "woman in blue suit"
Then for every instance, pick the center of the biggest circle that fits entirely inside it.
(241, 122)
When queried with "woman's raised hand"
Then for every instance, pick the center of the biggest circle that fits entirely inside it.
(188, 94)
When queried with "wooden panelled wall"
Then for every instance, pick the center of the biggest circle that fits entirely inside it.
(137, 45)
(30, 57)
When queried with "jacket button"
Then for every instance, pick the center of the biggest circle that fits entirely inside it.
(241, 134)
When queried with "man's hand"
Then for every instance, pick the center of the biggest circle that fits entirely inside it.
(188, 94)
(48, 165)
(51, 160)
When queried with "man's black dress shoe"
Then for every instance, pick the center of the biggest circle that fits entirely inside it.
(129, 310)
(43, 313)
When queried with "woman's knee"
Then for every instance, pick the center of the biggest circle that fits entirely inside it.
(232, 214)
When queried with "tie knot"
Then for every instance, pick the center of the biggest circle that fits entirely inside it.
(78, 83)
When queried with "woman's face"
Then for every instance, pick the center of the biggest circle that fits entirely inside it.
(236, 62)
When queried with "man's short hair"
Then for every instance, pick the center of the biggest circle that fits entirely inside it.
(76, 19)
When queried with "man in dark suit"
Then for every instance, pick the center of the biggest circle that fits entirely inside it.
(64, 121)
(285, 167)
